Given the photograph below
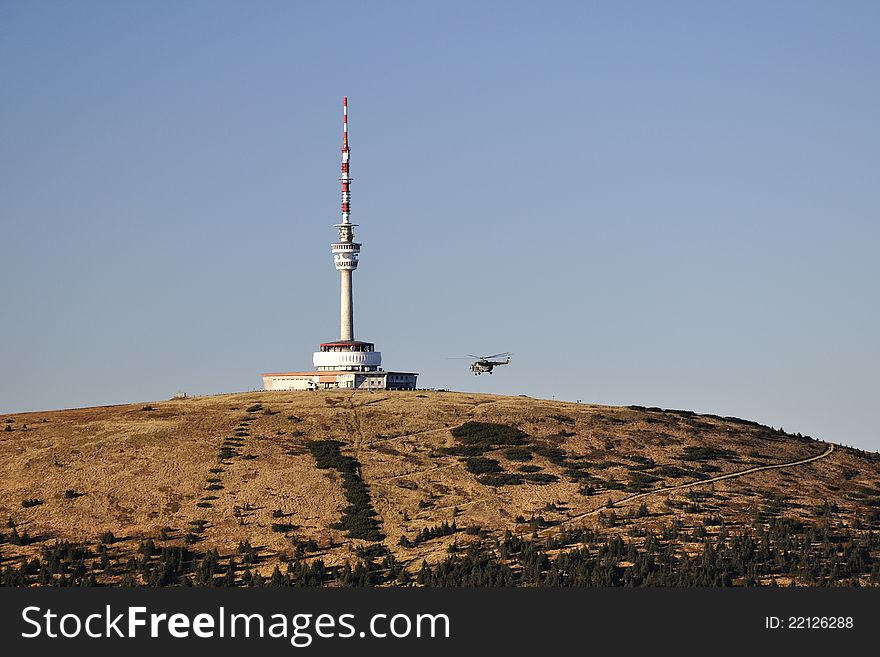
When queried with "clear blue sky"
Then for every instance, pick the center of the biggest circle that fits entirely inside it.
(669, 204)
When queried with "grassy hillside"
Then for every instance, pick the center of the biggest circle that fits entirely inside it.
(437, 487)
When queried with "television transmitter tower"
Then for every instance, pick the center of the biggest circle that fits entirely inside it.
(346, 251)
(344, 363)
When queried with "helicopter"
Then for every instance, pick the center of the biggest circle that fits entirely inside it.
(485, 363)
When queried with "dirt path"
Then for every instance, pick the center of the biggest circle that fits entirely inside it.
(413, 473)
(384, 439)
(692, 484)
(359, 438)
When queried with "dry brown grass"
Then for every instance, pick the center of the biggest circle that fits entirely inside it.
(140, 470)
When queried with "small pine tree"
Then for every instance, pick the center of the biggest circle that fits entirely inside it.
(18, 539)
(229, 576)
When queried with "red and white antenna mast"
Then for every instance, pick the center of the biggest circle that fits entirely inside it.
(345, 180)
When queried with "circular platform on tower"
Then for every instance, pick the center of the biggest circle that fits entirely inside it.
(352, 355)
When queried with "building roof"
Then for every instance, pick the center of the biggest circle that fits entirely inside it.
(324, 373)
(335, 372)
(347, 343)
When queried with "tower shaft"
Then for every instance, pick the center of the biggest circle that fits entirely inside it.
(346, 324)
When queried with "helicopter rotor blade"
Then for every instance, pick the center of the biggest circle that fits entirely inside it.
(475, 357)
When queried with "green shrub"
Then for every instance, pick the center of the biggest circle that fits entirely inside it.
(32, 501)
(19, 539)
(553, 454)
(641, 462)
(541, 478)
(639, 480)
(464, 450)
(692, 453)
(517, 454)
(670, 471)
(444, 529)
(482, 465)
(575, 474)
(502, 479)
(327, 454)
(488, 435)
(358, 519)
